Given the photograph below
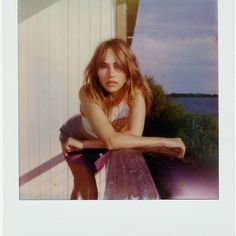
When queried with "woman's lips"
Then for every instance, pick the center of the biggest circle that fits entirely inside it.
(111, 83)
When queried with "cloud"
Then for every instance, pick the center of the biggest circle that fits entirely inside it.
(175, 52)
(154, 50)
(189, 79)
(175, 41)
(177, 18)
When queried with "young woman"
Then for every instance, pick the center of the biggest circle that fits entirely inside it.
(115, 99)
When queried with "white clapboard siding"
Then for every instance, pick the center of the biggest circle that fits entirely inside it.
(33, 94)
(107, 28)
(23, 99)
(56, 40)
(95, 18)
(84, 36)
(57, 87)
(44, 108)
(73, 56)
(73, 69)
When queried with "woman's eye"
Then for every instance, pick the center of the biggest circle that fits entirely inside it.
(102, 66)
(117, 67)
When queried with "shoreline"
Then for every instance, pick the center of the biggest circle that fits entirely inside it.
(191, 95)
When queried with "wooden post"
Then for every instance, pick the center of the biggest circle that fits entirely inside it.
(128, 177)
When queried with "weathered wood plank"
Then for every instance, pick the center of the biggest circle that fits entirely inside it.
(33, 96)
(44, 97)
(56, 40)
(107, 19)
(73, 57)
(58, 87)
(23, 97)
(128, 177)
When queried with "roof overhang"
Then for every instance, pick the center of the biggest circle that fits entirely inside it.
(131, 11)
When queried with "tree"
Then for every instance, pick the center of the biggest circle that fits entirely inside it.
(198, 131)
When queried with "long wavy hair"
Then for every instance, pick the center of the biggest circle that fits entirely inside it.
(128, 62)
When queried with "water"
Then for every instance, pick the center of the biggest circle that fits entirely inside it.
(200, 104)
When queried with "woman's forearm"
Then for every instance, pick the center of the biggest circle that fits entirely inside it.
(93, 143)
(173, 146)
(169, 146)
(122, 140)
(131, 141)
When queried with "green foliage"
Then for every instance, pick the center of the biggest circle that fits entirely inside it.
(198, 131)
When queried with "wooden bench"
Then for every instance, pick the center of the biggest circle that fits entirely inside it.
(126, 176)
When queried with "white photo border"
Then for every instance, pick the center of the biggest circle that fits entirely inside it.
(165, 217)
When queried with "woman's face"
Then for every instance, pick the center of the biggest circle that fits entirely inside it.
(111, 76)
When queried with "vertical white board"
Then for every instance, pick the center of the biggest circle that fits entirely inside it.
(33, 94)
(56, 41)
(84, 36)
(44, 93)
(23, 97)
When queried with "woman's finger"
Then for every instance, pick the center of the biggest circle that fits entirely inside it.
(182, 152)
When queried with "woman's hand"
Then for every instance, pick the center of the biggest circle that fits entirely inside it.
(71, 145)
(177, 145)
(173, 147)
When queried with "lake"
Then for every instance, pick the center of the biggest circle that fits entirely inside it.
(200, 104)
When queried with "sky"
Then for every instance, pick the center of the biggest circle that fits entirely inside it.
(176, 42)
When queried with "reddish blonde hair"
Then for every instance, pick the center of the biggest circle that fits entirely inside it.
(128, 62)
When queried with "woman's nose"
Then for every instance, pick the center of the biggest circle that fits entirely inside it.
(111, 71)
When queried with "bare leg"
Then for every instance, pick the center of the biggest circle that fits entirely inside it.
(84, 182)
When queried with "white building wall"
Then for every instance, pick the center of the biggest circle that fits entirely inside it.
(56, 40)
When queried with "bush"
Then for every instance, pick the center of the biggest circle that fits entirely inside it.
(198, 131)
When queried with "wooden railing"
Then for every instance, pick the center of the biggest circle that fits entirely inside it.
(125, 176)
(128, 177)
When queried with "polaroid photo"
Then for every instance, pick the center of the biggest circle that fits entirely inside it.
(160, 68)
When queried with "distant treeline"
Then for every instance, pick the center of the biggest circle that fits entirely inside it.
(199, 131)
(191, 95)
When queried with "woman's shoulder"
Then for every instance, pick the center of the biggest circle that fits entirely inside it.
(85, 96)
(138, 94)
(83, 90)
(84, 93)
(136, 98)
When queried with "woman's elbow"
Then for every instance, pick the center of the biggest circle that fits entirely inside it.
(134, 132)
(111, 144)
